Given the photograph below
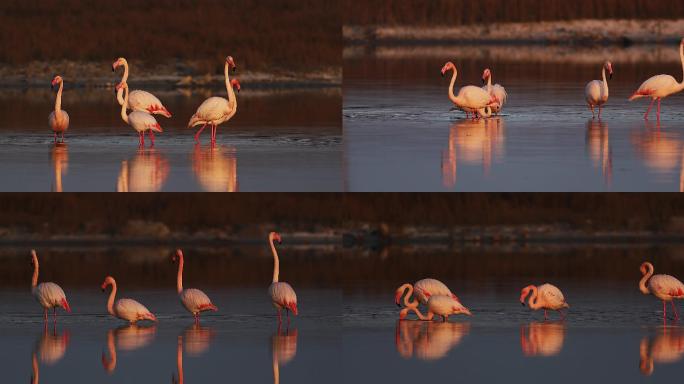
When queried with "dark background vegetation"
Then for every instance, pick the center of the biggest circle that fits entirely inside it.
(290, 34)
(455, 12)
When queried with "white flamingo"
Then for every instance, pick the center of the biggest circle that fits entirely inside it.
(660, 86)
(48, 294)
(546, 296)
(125, 309)
(425, 288)
(140, 121)
(470, 99)
(282, 294)
(497, 91)
(664, 287)
(437, 305)
(194, 300)
(139, 100)
(596, 91)
(59, 118)
(217, 110)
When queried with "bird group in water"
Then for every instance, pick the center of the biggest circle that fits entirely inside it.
(490, 99)
(143, 105)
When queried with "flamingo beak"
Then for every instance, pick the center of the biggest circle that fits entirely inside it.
(522, 303)
(610, 76)
(483, 80)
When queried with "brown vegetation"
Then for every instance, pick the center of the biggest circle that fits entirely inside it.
(455, 12)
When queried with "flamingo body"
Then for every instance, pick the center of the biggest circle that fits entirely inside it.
(142, 101)
(283, 296)
(445, 306)
(58, 124)
(48, 294)
(425, 288)
(125, 309)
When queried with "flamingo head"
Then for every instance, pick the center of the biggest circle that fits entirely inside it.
(645, 267)
(458, 309)
(275, 236)
(177, 255)
(107, 281)
(398, 294)
(57, 79)
(119, 62)
(231, 63)
(486, 75)
(235, 84)
(609, 67)
(523, 294)
(449, 65)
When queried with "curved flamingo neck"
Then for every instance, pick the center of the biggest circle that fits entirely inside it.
(681, 57)
(452, 97)
(179, 278)
(58, 100)
(34, 279)
(489, 83)
(119, 96)
(229, 88)
(605, 82)
(642, 283)
(124, 78)
(534, 298)
(276, 262)
(124, 116)
(110, 301)
(407, 291)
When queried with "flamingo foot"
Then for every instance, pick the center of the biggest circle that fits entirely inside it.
(198, 133)
(545, 315)
(674, 309)
(658, 118)
(649, 109)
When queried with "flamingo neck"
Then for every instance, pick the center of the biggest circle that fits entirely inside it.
(34, 279)
(681, 57)
(179, 279)
(452, 97)
(179, 359)
(276, 262)
(110, 301)
(34, 368)
(58, 100)
(605, 82)
(124, 78)
(119, 96)
(124, 116)
(534, 299)
(410, 305)
(110, 364)
(229, 88)
(642, 283)
(489, 83)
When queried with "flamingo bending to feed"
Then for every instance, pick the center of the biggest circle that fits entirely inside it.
(596, 91)
(194, 300)
(470, 99)
(282, 294)
(217, 110)
(660, 86)
(58, 119)
(437, 305)
(140, 121)
(139, 100)
(125, 309)
(497, 91)
(664, 287)
(546, 296)
(48, 294)
(425, 288)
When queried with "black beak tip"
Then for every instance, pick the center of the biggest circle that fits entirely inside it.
(398, 305)
(103, 290)
(234, 69)
(523, 304)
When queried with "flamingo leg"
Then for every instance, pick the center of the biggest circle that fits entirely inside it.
(280, 319)
(45, 317)
(55, 137)
(675, 310)
(287, 311)
(592, 111)
(213, 133)
(200, 131)
(545, 316)
(658, 109)
(599, 116)
(649, 109)
(54, 314)
(664, 312)
(152, 137)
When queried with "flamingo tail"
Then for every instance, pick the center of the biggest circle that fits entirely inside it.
(65, 305)
(208, 307)
(292, 307)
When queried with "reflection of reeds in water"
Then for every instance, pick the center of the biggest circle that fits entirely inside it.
(284, 349)
(126, 338)
(598, 146)
(60, 162)
(666, 348)
(215, 168)
(542, 339)
(428, 340)
(146, 172)
(472, 142)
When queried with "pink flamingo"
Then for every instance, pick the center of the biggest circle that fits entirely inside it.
(194, 300)
(58, 119)
(660, 86)
(139, 100)
(48, 294)
(546, 296)
(470, 99)
(125, 309)
(140, 121)
(664, 287)
(282, 294)
(437, 305)
(496, 90)
(217, 110)
(425, 288)
(596, 91)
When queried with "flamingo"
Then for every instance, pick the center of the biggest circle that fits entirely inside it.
(660, 86)
(496, 90)
(59, 118)
(546, 296)
(596, 91)
(194, 300)
(425, 288)
(125, 309)
(282, 294)
(142, 101)
(140, 121)
(664, 287)
(48, 294)
(470, 99)
(442, 305)
(217, 110)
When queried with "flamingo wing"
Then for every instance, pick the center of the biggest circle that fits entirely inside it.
(51, 295)
(592, 92)
(656, 86)
(59, 125)
(552, 296)
(474, 97)
(196, 301)
(666, 286)
(426, 288)
(131, 310)
(213, 109)
(144, 101)
(500, 93)
(283, 296)
(143, 121)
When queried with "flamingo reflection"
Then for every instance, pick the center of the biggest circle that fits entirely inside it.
(284, 349)
(126, 338)
(428, 340)
(662, 152)
(472, 142)
(215, 168)
(197, 339)
(51, 348)
(60, 162)
(598, 146)
(146, 172)
(542, 339)
(666, 348)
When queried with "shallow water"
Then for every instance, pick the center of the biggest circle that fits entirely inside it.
(278, 141)
(347, 329)
(401, 135)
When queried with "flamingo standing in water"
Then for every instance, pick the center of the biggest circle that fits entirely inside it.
(425, 288)
(194, 300)
(660, 86)
(140, 121)
(48, 294)
(437, 305)
(596, 91)
(470, 99)
(58, 119)
(217, 110)
(282, 294)
(546, 296)
(139, 100)
(497, 91)
(664, 287)
(125, 309)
